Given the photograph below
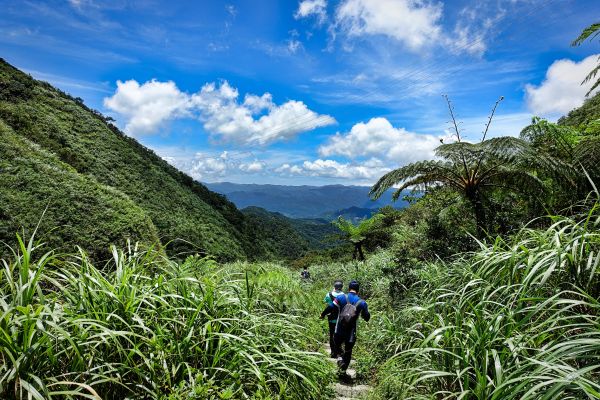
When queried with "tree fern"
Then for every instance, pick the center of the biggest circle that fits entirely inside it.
(591, 32)
(473, 170)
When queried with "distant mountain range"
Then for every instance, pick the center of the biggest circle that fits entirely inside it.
(306, 201)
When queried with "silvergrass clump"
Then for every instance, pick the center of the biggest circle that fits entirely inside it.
(518, 319)
(144, 326)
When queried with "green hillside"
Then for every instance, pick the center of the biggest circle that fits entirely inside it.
(111, 185)
(32, 179)
(289, 237)
(585, 115)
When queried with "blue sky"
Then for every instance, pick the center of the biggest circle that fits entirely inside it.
(305, 92)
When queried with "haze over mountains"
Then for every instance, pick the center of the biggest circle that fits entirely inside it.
(306, 201)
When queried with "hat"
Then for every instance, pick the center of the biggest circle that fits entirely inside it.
(353, 286)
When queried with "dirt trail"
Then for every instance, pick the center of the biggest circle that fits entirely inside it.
(348, 390)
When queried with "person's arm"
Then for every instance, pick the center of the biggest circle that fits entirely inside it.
(365, 311)
(328, 310)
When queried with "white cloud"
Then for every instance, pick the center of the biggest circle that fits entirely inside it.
(378, 138)
(467, 40)
(146, 107)
(307, 8)
(213, 166)
(561, 91)
(414, 23)
(256, 120)
(365, 171)
(253, 166)
(231, 121)
(294, 45)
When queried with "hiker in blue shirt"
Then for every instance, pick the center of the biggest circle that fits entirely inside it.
(332, 319)
(345, 330)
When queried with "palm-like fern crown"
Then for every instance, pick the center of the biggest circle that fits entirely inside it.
(472, 168)
(591, 32)
(357, 233)
(578, 150)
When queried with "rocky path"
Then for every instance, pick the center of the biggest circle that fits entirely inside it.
(348, 390)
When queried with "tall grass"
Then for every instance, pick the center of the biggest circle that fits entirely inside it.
(518, 319)
(147, 327)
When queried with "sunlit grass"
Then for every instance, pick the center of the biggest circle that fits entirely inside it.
(143, 326)
(515, 320)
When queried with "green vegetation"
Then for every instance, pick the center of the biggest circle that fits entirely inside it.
(487, 286)
(473, 170)
(357, 234)
(65, 133)
(33, 180)
(149, 327)
(589, 33)
(516, 319)
(289, 238)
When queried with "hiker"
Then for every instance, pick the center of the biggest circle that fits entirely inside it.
(305, 274)
(350, 307)
(329, 298)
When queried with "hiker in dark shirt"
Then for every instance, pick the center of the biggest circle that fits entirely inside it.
(305, 274)
(345, 332)
(332, 319)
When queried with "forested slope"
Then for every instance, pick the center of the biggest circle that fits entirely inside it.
(101, 158)
(288, 237)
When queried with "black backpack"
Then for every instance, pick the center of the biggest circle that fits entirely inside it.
(348, 314)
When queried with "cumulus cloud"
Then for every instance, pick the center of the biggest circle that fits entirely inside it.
(414, 23)
(561, 91)
(317, 8)
(255, 120)
(211, 166)
(232, 121)
(378, 138)
(146, 107)
(363, 171)
(253, 166)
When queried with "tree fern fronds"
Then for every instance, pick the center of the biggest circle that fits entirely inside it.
(590, 32)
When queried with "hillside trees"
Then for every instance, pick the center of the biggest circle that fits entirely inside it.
(579, 151)
(137, 187)
(473, 170)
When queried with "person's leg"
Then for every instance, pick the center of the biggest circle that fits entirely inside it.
(347, 356)
(332, 339)
(338, 340)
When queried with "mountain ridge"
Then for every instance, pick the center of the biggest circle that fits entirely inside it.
(303, 201)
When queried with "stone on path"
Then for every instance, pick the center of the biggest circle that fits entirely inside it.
(347, 391)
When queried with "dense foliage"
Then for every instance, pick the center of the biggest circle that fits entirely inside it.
(475, 171)
(148, 327)
(34, 182)
(516, 319)
(286, 237)
(96, 151)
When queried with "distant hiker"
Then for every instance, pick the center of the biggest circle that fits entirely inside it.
(350, 307)
(329, 298)
(305, 274)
